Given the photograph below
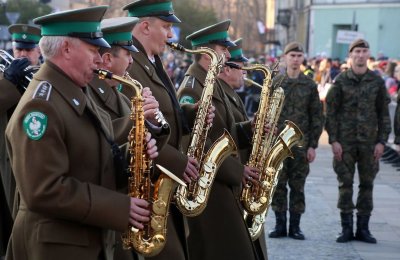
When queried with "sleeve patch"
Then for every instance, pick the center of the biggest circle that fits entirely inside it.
(186, 100)
(35, 125)
(43, 91)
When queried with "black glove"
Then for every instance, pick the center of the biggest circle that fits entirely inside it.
(16, 72)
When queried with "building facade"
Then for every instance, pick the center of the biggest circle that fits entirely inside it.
(334, 24)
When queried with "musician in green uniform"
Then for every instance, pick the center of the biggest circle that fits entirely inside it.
(220, 231)
(149, 36)
(60, 146)
(232, 79)
(26, 52)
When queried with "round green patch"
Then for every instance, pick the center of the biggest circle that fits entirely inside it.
(35, 124)
(186, 100)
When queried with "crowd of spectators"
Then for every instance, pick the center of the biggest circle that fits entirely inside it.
(320, 68)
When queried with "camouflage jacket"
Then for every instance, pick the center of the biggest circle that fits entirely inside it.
(357, 109)
(303, 107)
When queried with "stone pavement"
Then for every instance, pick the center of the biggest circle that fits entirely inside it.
(321, 221)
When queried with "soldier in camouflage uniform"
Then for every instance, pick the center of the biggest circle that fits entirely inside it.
(358, 125)
(303, 107)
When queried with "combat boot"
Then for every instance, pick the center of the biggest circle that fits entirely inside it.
(294, 227)
(280, 227)
(363, 233)
(347, 228)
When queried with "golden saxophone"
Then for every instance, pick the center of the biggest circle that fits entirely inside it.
(289, 136)
(151, 240)
(192, 200)
(267, 152)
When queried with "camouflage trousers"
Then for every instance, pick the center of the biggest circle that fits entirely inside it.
(294, 174)
(363, 157)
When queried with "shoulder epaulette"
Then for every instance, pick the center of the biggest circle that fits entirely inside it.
(190, 81)
(42, 91)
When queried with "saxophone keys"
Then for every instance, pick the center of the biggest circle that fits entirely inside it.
(204, 182)
(209, 167)
(156, 223)
(159, 207)
(265, 185)
(263, 200)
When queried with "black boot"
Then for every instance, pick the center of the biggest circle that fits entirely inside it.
(294, 227)
(280, 227)
(347, 228)
(363, 233)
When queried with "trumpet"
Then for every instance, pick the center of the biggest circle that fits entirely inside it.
(8, 58)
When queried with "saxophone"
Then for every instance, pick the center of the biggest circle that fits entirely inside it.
(268, 152)
(151, 240)
(289, 136)
(192, 200)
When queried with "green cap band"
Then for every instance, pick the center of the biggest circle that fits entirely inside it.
(149, 9)
(117, 37)
(26, 37)
(235, 53)
(210, 37)
(65, 28)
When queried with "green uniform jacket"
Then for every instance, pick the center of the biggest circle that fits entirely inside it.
(220, 231)
(303, 107)
(357, 110)
(66, 178)
(118, 106)
(171, 155)
(239, 114)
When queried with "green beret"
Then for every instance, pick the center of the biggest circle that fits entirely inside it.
(80, 23)
(358, 43)
(237, 52)
(293, 46)
(216, 33)
(24, 36)
(118, 31)
(152, 8)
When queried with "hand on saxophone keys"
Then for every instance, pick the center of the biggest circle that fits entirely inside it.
(152, 149)
(139, 213)
(250, 176)
(150, 106)
(192, 170)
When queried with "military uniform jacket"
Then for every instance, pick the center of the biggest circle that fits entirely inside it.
(303, 107)
(220, 231)
(142, 70)
(171, 155)
(64, 171)
(9, 97)
(357, 109)
(239, 114)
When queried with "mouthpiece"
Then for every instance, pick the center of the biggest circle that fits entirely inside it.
(103, 74)
(176, 46)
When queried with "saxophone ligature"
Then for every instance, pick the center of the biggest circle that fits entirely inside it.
(192, 200)
(151, 240)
